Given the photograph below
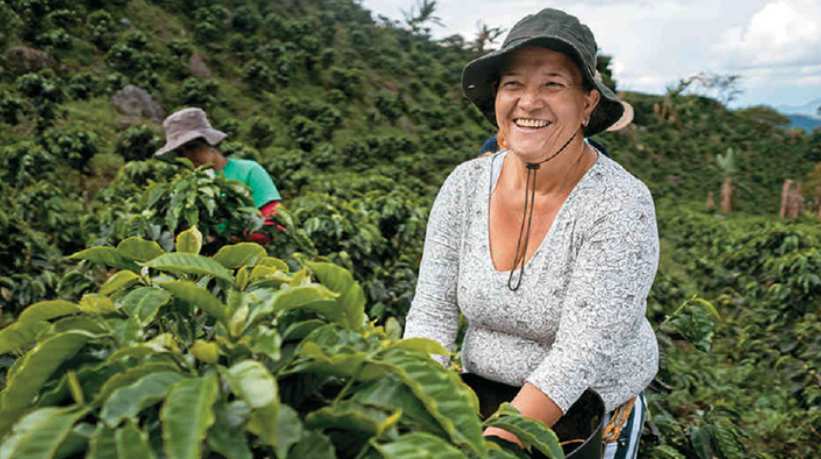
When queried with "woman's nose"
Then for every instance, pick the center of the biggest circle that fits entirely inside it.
(530, 99)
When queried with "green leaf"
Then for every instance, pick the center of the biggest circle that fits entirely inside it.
(532, 433)
(418, 445)
(132, 443)
(144, 303)
(33, 370)
(186, 416)
(127, 401)
(350, 415)
(700, 439)
(288, 431)
(495, 451)
(255, 385)
(130, 376)
(242, 254)
(189, 241)
(314, 445)
(227, 436)
(197, 296)
(47, 310)
(297, 297)
(205, 351)
(39, 433)
(137, 248)
(268, 273)
(299, 330)
(442, 392)
(31, 322)
(20, 335)
(351, 296)
(94, 325)
(120, 280)
(237, 323)
(243, 277)
(266, 341)
(103, 444)
(103, 255)
(93, 303)
(424, 345)
(274, 262)
(708, 306)
(187, 263)
(76, 442)
(390, 394)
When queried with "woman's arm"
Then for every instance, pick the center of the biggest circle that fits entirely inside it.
(606, 299)
(532, 403)
(434, 313)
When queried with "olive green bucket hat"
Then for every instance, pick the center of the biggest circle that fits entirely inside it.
(559, 31)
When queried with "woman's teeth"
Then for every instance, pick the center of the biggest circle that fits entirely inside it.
(530, 123)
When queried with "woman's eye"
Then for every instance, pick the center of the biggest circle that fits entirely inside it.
(510, 84)
(554, 85)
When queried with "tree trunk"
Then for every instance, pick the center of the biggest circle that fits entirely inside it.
(727, 195)
(785, 198)
(796, 202)
(711, 201)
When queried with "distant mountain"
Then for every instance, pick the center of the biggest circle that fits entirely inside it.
(810, 109)
(807, 123)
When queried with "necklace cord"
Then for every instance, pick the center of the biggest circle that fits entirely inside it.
(527, 215)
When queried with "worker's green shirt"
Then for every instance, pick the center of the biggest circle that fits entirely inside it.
(255, 177)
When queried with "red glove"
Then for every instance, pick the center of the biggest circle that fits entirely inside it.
(268, 211)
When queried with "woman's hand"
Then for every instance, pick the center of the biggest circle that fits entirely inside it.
(503, 434)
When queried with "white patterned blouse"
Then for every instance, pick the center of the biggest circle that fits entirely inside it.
(578, 319)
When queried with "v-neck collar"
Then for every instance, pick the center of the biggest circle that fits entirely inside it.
(488, 255)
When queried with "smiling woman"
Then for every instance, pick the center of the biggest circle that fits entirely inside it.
(549, 248)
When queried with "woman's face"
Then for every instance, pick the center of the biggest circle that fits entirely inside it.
(197, 154)
(540, 102)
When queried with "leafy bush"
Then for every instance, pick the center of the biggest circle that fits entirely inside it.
(44, 93)
(82, 86)
(346, 80)
(192, 197)
(11, 108)
(102, 27)
(389, 105)
(209, 23)
(138, 143)
(242, 358)
(261, 132)
(259, 76)
(25, 163)
(199, 92)
(74, 146)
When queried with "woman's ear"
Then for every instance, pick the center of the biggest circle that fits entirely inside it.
(591, 100)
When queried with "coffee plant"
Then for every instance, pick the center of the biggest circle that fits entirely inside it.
(182, 355)
(359, 120)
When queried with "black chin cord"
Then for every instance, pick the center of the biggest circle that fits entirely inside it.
(527, 215)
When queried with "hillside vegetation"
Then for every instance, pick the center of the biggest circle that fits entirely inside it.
(359, 122)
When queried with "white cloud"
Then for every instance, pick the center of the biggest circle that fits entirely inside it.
(772, 44)
(783, 32)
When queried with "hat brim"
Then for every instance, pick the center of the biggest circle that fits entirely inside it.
(479, 76)
(212, 136)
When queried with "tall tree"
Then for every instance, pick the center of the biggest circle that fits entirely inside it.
(421, 14)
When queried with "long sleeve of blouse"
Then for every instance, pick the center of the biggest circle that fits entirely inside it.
(578, 320)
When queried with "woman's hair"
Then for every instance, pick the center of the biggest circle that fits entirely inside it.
(197, 143)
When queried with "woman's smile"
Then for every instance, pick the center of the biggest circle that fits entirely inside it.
(530, 123)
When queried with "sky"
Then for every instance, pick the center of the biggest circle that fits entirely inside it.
(774, 45)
